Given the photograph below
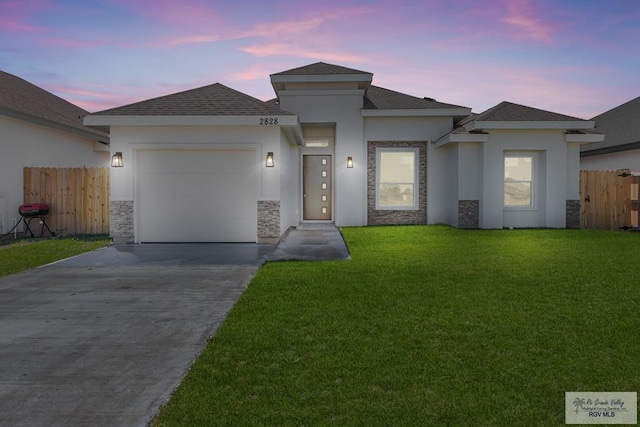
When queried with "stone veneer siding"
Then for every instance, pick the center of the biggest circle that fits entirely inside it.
(268, 221)
(573, 213)
(121, 221)
(468, 213)
(392, 217)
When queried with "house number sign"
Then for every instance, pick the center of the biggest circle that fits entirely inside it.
(266, 121)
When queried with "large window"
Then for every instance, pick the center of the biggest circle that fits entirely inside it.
(397, 178)
(519, 180)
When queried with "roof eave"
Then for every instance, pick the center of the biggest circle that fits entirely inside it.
(422, 112)
(588, 152)
(98, 136)
(584, 138)
(364, 80)
(188, 120)
(530, 125)
(294, 134)
(454, 138)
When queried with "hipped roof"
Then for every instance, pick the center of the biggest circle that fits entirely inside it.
(212, 100)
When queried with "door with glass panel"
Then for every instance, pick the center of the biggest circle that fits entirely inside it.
(316, 183)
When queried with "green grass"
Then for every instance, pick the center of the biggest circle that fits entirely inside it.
(27, 254)
(425, 326)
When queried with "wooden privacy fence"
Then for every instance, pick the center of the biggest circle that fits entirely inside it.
(609, 199)
(78, 198)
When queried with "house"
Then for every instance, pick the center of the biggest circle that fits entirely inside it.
(214, 164)
(39, 129)
(621, 149)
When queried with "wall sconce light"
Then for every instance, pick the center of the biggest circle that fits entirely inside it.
(349, 162)
(116, 160)
(269, 162)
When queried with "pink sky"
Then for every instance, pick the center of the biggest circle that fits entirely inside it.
(574, 57)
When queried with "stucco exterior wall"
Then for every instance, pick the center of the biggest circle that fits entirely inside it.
(24, 144)
(289, 185)
(341, 107)
(450, 198)
(552, 179)
(622, 160)
(469, 184)
(573, 171)
(130, 139)
(420, 129)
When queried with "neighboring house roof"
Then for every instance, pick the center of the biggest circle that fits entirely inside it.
(319, 68)
(621, 126)
(378, 98)
(212, 100)
(22, 100)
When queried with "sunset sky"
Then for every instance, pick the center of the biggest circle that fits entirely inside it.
(577, 57)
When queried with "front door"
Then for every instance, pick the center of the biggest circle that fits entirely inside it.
(316, 183)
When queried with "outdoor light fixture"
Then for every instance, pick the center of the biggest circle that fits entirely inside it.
(349, 162)
(116, 160)
(269, 162)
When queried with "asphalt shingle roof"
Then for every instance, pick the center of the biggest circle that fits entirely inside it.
(213, 100)
(510, 112)
(378, 98)
(24, 100)
(319, 68)
(621, 126)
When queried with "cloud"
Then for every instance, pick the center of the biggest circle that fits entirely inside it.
(16, 15)
(194, 14)
(319, 37)
(567, 91)
(75, 43)
(192, 40)
(254, 72)
(521, 17)
(294, 29)
(99, 97)
(284, 49)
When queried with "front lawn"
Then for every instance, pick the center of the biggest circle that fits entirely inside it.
(425, 326)
(27, 254)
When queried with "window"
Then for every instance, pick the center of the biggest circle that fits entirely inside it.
(397, 178)
(518, 180)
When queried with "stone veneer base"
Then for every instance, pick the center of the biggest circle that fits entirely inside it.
(573, 214)
(268, 222)
(468, 213)
(121, 221)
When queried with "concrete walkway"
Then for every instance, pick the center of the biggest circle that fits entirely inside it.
(102, 339)
(311, 242)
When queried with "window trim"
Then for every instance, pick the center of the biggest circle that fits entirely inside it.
(416, 178)
(534, 180)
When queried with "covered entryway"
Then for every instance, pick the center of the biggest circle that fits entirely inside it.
(196, 196)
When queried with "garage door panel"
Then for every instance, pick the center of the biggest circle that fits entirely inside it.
(192, 161)
(197, 196)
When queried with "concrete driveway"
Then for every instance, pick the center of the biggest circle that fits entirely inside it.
(102, 339)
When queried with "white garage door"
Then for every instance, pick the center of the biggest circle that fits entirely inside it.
(196, 196)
